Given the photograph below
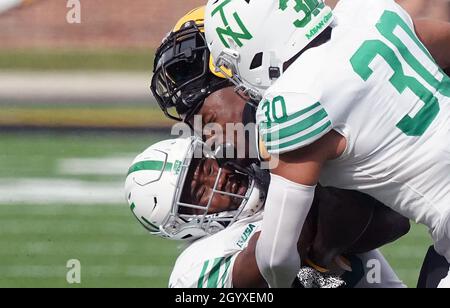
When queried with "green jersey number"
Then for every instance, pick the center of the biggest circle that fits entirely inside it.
(272, 110)
(411, 126)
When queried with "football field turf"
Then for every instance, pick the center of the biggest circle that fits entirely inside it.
(61, 198)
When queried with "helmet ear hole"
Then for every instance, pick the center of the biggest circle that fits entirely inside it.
(257, 61)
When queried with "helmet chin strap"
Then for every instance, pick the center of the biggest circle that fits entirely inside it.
(254, 204)
(249, 113)
(228, 58)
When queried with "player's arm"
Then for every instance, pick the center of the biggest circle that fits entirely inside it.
(289, 200)
(436, 37)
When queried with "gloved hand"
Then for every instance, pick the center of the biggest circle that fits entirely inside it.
(310, 278)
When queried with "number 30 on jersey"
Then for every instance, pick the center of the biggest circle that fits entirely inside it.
(411, 126)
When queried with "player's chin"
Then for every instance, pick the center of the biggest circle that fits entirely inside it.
(238, 185)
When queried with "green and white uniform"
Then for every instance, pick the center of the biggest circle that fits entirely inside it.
(376, 84)
(208, 262)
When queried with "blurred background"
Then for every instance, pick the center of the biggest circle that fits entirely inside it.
(75, 109)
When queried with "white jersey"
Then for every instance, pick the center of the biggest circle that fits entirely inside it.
(376, 84)
(208, 262)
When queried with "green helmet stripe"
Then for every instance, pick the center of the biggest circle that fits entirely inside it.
(153, 165)
(213, 278)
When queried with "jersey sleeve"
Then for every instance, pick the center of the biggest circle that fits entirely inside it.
(212, 273)
(290, 121)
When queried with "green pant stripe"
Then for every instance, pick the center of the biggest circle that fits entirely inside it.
(214, 274)
(291, 117)
(300, 139)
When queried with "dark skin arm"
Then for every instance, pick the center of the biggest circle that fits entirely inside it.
(245, 271)
(435, 35)
(322, 241)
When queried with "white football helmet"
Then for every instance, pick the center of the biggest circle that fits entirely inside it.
(154, 190)
(254, 38)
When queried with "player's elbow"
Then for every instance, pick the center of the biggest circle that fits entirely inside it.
(284, 269)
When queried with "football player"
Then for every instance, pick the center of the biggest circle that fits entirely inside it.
(184, 85)
(352, 98)
(179, 190)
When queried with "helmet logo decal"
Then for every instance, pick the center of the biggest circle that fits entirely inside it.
(307, 7)
(177, 167)
(156, 228)
(151, 165)
(246, 235)
(237, 37)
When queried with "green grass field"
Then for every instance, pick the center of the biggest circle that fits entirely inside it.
(38, 238)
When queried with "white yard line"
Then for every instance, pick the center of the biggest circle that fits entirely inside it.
(95, 166)
(82, 86)
(407, 252)
(60, 191)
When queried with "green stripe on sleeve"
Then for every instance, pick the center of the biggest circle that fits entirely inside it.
(214, 274)
(311, 135)
(293, 116)
(296, 127)
(202, 275)
(153, 165)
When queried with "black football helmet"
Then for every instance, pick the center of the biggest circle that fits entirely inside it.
(183, 74)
